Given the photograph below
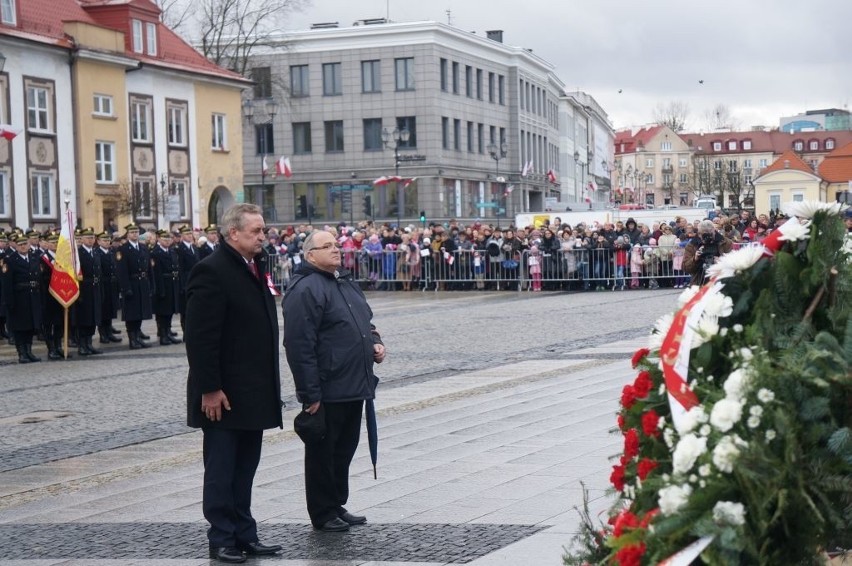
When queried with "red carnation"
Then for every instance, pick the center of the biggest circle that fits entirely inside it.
(624, 520)
(616, 478)
(631, 555)
(649, 516)
(631, 443)
(643, 384)
(645, 467)
(650, 422)
(620, 422)
(637, 357)
(628, 396)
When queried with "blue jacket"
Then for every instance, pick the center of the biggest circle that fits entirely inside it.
(329, 337)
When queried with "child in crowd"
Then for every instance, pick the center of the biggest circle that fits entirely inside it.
(652, 264)
(622, 260)
(636, 264)
(678, 250)
(535, 267)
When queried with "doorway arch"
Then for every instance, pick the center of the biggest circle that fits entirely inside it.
(220, 200)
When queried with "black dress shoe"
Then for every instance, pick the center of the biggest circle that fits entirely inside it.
(335, 525)
(257, 549)
(353, 519)
(229, 554)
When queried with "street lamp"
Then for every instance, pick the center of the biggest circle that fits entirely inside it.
(271, 108)
(584, 165)
(609, 169)
(398, 137)
(497, 153)
(161, 197)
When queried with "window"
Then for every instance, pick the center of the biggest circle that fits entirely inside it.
(404, 73)
(667, 163)
(331, 79)
(457, 134)
(408, 123)
(7, 12)
(480, 134)
(177, 124)
(682, 179)
(666, 146)
(455, 77)
(137, 36)
(747, 145)
(717, 165)
(829, 144)
(649, 162)
(798, 197)
(479, 84)
(5, 195)
(445, 132)
(470, 138)
(262, 77)
(219, 141)
(104, 162)
(682, 162)
(151, 37)
(299, 81)
(264, 140)
(490, 87)
(140, 121)
(37, 112)
(732, 166)
(334, 135)
(747, 180)
(775, 202)
(373, 134)
(102, 105)
(747, 164)
(371, 76)
(813, 145)
(762, 163)
(813, 163)
(468, 81)
(650, 179)
(444, 72)
(302, 137)
(501, 89)
(143, 196)
(798, 145)
(42, 195)
(717, 146)
(178, 192)
(492, 135)
(732, 145)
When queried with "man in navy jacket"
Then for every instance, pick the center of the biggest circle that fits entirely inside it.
(331, 347)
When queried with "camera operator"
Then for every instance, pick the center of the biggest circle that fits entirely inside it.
(701, 252)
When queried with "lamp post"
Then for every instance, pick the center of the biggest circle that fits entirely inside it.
(271, 108)
(497, 153)
(161, 197)
(583, 167)
(351, 200)
(398, 137)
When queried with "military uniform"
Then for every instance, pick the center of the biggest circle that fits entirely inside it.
(209, 247)
(4, 241)
(164, 263)
(88, 306)
(22, 274)
(133, 266)
(188, 256)
(109, 290)
(53, 313)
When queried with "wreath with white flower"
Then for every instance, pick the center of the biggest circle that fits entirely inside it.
(738, 428)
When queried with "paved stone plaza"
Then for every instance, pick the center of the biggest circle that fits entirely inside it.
(493, 408)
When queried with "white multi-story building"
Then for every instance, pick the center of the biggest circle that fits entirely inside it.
(471, 114)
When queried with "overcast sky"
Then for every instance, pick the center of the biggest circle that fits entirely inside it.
(761, 58)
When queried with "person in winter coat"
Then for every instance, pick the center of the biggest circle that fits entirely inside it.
(632, 231)
(636, 265)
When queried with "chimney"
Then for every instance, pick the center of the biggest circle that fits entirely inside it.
(495, 35)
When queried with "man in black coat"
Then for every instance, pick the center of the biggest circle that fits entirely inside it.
(211, 233)
(164, 262)
(87, 309)
(233, 389)
(133, 266)
(21, 275)
(4, 249)
(109, 285)
(188, 256)
(331, 348)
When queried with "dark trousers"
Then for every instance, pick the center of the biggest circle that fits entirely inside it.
(24, 337)
(230, 461)
(133, 325)
(327, 462)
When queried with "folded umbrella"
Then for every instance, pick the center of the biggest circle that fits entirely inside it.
(372, 432)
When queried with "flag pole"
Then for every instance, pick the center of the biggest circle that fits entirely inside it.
(65, 335)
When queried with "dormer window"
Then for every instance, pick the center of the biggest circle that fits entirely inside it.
(717, 146)
(137, 36)
(813, 145)
(732, 145)
(798, 145)
(144, 37)
(829, 144)
(747, 145)
(7, 12)
(151, 38)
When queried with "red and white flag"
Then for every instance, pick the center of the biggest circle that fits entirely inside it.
(8, 132)
(530, 168)
(64, 280)
(385, 180)
(407, 182)
(551, 176)
(525, 170)
(282, 167)
(264, 166)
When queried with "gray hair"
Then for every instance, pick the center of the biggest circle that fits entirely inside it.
(308, 244)
(235, 217)
(706, 227)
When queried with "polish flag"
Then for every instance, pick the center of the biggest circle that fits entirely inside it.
(282, 167)
(525, 170)
(551, 176)
(8, 132)
(530, 169)
(264, 167)
(407, 182)
(385, 180)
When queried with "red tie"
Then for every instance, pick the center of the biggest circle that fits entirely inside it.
(253, 268)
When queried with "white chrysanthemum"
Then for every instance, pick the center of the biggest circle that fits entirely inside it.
(661, 328)
(808, 208)
(704, 470)
(737, 384)
(729, 513)
(765, 395)
(737, 328)
(687, 295)
(725, 414)
(707, 328)
(687, 451)
(755, 410)
(718, 305)
(753, 421)
(668, 437)
(725, 454)
(735, 262)
(770, 435)
(704, 430)
(794, 230)
(673, 497)
(690, 420)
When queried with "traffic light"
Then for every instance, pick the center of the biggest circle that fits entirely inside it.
(368, 206)
(302, 211)
(423, 216)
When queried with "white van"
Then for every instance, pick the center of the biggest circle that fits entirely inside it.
(705, 202)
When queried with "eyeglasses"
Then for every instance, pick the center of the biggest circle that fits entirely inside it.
(328, 246)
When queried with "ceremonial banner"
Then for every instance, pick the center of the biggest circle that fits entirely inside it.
(64, 280)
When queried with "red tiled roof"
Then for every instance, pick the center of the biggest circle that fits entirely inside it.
(837, 165)
(775, 141)
(632, 141)
(788, 160)
(41, 20)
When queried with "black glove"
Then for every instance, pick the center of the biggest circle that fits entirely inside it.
(128, 294)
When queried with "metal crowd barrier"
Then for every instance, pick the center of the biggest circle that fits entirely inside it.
(471, 270)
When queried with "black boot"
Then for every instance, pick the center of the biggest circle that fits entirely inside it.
(81, 346)
(53, 349)
(142, 335)
(172, 334)
(172, 338)
(136, 342)
(90, 348)
(104, 337)
(164, 336)
(113, 330)
(30, 355)
(22, 354)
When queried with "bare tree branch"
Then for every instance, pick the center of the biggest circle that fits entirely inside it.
(720, 117)
(674, 115)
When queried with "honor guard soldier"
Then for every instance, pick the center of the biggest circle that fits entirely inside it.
(133, 265)
(212, 235)
(109, 290)
(88, 306)
(53, 312)
(4, 249)
(188, 256)
(164, 262)
(33, 239)
(21, 280)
